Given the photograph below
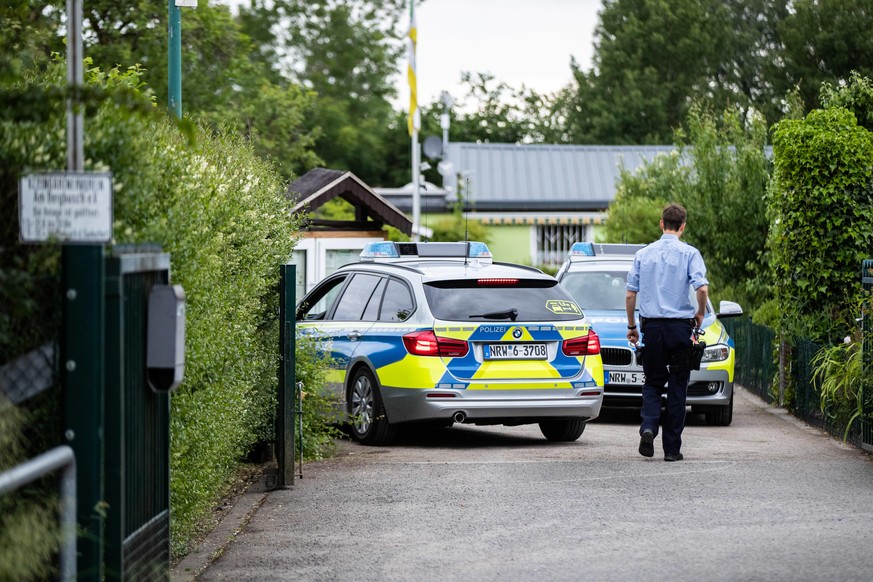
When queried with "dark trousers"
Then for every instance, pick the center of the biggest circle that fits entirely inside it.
(666, 363)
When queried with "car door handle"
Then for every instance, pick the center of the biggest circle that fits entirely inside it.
(354, 335)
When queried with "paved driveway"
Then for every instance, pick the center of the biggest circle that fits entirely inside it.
(766, 498)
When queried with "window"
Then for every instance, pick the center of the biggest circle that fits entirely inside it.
(597, 289)
(554, 241)
(535, 300)
(398, 304)
(298, 258)
(336, 258)
(371, 312)
(356, 296)
(318, 303)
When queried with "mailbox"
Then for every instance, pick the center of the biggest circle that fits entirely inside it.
(165, 354)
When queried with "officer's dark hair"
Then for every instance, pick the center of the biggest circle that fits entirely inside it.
(673, 217)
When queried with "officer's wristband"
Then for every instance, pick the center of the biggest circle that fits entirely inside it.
(631, 327)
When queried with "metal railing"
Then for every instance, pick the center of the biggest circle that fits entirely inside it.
(59, 458)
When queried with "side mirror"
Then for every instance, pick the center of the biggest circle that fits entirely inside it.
(729, 309)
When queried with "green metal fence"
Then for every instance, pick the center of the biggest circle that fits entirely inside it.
(867, 358)
(137, 424)
(288, 394)
(755, 370)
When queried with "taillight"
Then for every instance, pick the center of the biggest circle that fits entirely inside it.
(427, 343)
(586, 345)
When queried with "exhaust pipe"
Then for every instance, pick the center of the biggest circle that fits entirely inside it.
(459, 417)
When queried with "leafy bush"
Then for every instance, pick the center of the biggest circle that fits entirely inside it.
(219, 210)
(821, 203)
(719, 174)
(838, 374)
(320, 406)
(29, 536)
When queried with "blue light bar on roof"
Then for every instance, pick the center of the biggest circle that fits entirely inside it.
(380, 250)
(391, 250)
(587, 249)
(479, 250)
(582, 248)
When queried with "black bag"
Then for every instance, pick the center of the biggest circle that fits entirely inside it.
(697, 349)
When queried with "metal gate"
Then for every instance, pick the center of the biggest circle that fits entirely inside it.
(137, 425)
(867, 358)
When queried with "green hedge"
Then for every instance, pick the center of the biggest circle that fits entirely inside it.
(821, 203)
(219, 210)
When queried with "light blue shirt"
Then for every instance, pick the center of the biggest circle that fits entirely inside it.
(661, 273)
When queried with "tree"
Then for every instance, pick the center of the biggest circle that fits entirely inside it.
(347, 52)
(640, 197)
(727, 215)
(650, 57)
(824, 41)
(224, 82)
(719, 173)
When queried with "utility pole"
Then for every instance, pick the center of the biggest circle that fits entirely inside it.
(414, 124)
(174, 60)
(174, 54)
(82, 336)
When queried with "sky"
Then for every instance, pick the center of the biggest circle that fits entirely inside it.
(519, 42)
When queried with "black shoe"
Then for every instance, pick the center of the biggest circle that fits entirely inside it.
(647, 444)
(672, 456)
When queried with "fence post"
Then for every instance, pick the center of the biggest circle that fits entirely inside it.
(82, 378)
(866, 359)
(783, 368)
(285, 402)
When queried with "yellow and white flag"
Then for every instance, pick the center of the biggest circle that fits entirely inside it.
(414, 121)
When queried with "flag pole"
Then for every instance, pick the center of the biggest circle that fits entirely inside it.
(414, 124)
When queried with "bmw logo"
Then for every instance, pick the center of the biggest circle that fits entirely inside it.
(516, 333)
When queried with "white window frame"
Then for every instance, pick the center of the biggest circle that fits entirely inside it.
(316, 254)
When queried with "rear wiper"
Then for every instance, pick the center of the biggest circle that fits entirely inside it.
(508, 314)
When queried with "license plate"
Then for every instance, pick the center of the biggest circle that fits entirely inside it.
(516, 352)
(630, 378)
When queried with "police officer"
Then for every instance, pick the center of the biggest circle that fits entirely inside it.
(660, 274)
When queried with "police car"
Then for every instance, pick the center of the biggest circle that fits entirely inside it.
(596, 276)
(440, 333)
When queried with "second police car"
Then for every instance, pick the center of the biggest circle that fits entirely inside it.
(439, 333)
(596, 276)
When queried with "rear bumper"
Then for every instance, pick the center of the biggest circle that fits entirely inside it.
(511, 406)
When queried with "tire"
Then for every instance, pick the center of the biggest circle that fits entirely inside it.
(368, 422)
(565, 430)
(721, 416)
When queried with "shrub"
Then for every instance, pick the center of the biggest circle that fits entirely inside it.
(821, 202)
(219, 210)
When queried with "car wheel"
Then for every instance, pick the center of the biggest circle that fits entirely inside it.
(567, 430)
(721, 416)
(369, 423)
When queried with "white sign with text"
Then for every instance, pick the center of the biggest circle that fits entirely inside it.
(66, 207)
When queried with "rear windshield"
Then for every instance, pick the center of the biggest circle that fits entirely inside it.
(603, 290)
(597, 289)
(524, 300)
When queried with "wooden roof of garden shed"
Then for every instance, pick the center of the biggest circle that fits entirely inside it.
(316, 187)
